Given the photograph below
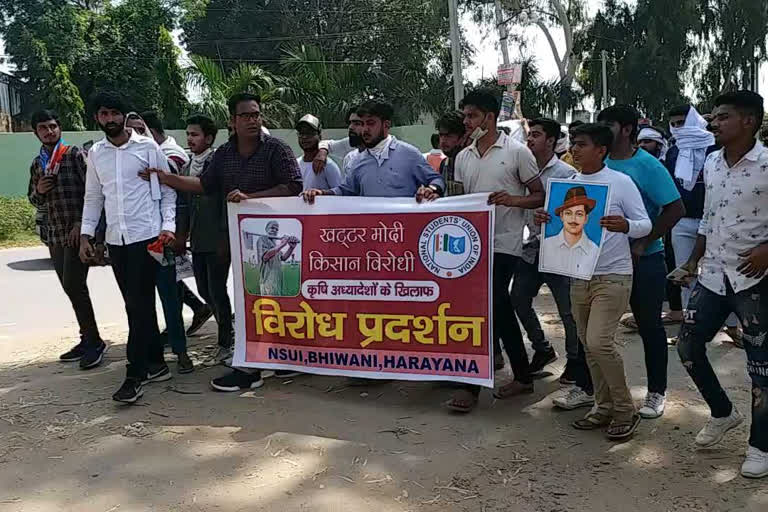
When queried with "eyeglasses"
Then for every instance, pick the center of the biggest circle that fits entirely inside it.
(141, 131)
(249, 116)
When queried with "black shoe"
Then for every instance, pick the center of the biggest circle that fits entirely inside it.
(129, 392)
(237, 381)
(201, 316)
(93, 355)
(567, 378)
(542, 359)
(74, 354)
(158, 373)
(185, 364)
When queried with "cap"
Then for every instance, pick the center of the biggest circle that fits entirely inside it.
(310, 120)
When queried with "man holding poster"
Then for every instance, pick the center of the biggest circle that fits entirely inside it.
(599, 302)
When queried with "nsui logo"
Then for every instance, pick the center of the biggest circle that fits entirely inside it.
(449, 246)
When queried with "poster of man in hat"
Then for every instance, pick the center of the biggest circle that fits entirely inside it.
(271, 259)
(571, 242)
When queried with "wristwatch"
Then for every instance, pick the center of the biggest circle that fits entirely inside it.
(437, 190)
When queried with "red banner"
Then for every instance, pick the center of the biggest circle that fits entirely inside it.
(365, 287)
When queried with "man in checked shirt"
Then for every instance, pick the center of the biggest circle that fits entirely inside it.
(57, 180)
(250, 165)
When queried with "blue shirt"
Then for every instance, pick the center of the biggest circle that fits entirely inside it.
(656, 186)
(397, 170)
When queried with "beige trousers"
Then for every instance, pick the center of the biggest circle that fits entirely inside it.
(597, 307)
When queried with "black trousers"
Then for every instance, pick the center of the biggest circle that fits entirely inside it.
(211, 273)
(505, 326)
(73, 276)
(135, 272)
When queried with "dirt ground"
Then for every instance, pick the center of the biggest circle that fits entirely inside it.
(312, 444)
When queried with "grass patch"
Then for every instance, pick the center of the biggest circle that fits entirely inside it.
(291, 278)
(17, 222)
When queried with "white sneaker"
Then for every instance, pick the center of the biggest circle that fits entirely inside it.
(575, 398)
(653, 406)
(756, 463)
(716, 428)
(218, 357)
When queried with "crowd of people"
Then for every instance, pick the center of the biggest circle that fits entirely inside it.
(689, 204)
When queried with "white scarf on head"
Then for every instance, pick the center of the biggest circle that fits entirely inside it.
(197, 164)
(651, 134)
(693, 139)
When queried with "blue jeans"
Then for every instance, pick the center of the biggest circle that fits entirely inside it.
(171, 297)
(528, 281)
(706, 313)
(647, 301)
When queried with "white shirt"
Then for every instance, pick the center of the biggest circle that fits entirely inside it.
(626, 201)
(734, 219)
(112, 183)
(555, 168)
(573, 260)
(329, 178)
(507, 165)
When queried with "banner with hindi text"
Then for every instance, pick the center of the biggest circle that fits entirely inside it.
(381, 288)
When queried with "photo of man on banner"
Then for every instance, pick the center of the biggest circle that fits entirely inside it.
(571, 242)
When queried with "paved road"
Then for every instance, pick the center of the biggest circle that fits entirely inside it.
(34, 304)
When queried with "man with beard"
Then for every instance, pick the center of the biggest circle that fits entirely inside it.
(653, 141)
(348, 149)
(308, 131)
(136, 216)
(57, 181)
(452, 134)
(250, 165)
(408, 173)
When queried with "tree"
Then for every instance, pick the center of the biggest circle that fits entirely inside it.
(731, 40)
(217, 85)
(124, 46)
(395, 46)
(648, 47)
(567, 16)
(64, 98)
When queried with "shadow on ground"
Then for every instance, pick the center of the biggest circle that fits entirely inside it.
(31, 265)
(313, 444)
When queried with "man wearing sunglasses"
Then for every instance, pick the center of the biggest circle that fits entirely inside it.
(250, 165)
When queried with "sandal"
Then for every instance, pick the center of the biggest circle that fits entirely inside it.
(592, 421)
(514, 388)
(622, 429)
(463, 401)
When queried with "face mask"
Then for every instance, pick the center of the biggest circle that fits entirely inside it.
(479, 132)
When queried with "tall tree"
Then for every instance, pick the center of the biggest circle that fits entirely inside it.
(732, 38)
(648, 46)
(65, 99)
(124, 46)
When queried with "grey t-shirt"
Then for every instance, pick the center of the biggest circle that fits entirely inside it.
(328, 179)
(271, 272)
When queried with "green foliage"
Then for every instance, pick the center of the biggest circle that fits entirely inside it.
(648, 51)
(217, 85)
(64, 98)
(17, 215)
(123, 46)
(392, 49)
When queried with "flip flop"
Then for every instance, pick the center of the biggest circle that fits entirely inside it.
(463, 401)
(618, 430)
(592, 421)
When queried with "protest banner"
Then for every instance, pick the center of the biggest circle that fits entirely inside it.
(381, 288)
